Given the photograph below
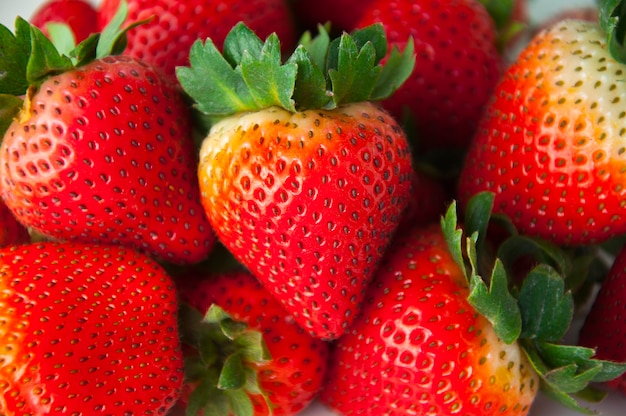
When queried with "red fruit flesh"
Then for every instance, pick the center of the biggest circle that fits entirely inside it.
(86, 329)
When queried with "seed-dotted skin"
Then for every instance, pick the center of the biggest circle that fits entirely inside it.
(552, 145)
(86, 330)
(104, 153)
(308, 202)
(419, 348)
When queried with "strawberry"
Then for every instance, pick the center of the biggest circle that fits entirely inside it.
(549, 145)
(101, 151)
(11, 231)
(457, 67)
(86, 329)
(433, 339)
(174, 25)
(289, 365)
(79, 15)
(303, 177)
(604, 328)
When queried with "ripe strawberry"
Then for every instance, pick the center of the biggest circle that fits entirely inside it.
(79, 15)
(86, 329)
(604, 327)
(457, 66)
(288, 379)
(11, 231)
(430, 342)
(165, 40)
(304, 186)
(103, 152)
(550, 144)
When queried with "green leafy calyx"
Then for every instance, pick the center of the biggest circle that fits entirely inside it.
(28, 57)
(537, 314)
(223, 370)
(321, 73)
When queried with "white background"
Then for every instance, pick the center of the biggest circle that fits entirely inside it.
(614, 405)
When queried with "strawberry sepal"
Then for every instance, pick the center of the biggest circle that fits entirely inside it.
(320, 73)
(537, 315)
(223, 372)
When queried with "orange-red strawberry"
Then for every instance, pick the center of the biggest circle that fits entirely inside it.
(101, 151)
(551, 144)
(303, 178)
(79, 15)
(86, 329)
(431, 341)
(165, 40)
(290, 372)
(457, 66)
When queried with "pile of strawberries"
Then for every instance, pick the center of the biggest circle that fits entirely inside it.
(237, 208)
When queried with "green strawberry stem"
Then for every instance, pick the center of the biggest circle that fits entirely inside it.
(223, 370)
(321, 73)
(537, 315)
(28, 57)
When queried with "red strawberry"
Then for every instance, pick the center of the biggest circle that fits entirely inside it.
(165, 40)
(86, 329)
(549, 146)
(430, 342)
(103, 152)
(427, 202)
(80, 15)
(304, 186)
(457, 66)
(604, 328)
(11, 231)
(289, 378)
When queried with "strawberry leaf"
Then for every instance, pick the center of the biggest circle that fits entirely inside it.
(497, 304)
(233, 375)
(62, 37)
(310, 83)
(10, 105)
(213, 83)
(271, 83)
(240, 403)
(44, 60)
(355, 75)
(558, 355)
(612, 18)
(397, 70)
(453, 235)
(547, 310)
(14, 53)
